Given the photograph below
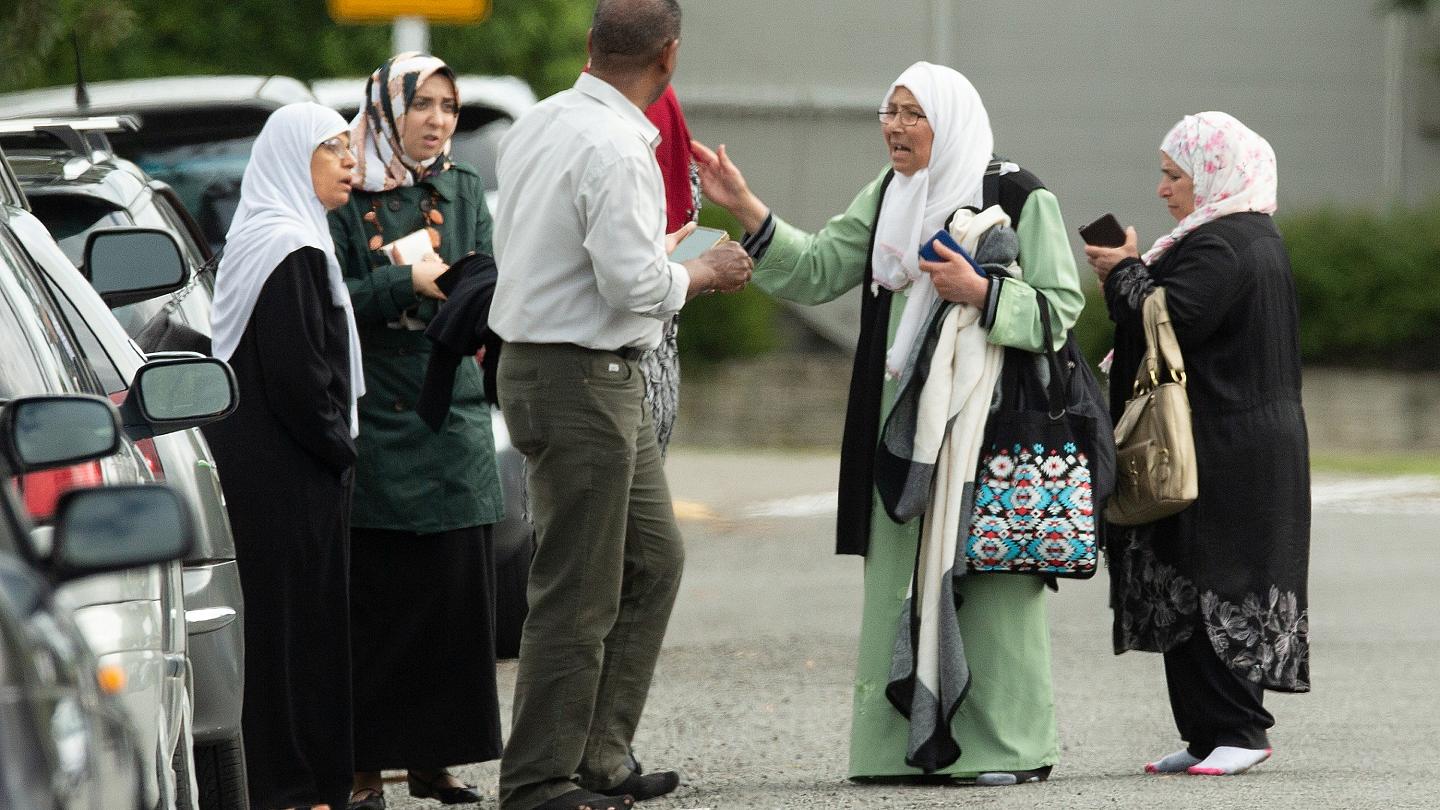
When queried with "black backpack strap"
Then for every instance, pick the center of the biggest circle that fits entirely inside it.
(1009, 190)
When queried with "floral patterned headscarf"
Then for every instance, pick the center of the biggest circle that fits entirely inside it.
(1232, 166)
(377, 129)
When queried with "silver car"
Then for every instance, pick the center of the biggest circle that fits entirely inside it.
(76, 195)
(135, 620)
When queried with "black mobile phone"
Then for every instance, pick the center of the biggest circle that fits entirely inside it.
(1104, 232)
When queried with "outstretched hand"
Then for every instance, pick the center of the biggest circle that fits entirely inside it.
(723, 183)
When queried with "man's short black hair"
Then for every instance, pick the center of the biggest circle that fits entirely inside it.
(627, 33)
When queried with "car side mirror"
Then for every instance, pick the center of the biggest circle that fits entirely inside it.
(126, 265)
(111, 528)
(41, 432)
(178, 393)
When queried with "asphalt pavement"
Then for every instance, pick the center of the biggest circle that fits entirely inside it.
(751, 698)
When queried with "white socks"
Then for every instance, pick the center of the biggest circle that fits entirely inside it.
(1227, 760)
(1172, 763)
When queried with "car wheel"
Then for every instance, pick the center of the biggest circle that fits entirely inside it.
(183, 799)
(220, 772)
(510, 606)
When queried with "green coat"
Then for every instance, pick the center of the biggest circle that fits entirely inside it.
(1007, 721)
(408, 478)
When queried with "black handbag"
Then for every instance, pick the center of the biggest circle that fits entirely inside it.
(1046, 466)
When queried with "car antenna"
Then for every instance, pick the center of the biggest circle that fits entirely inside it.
(82, 96)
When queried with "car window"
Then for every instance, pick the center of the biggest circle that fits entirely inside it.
(205, 175)
(111, 380)
(176, 225)
(71, 217)
(479, 147)
(38, 353)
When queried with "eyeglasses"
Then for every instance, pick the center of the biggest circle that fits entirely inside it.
(908, 118)
(337, 147)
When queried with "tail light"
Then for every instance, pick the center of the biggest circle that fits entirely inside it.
(42, 490)
(145, 446)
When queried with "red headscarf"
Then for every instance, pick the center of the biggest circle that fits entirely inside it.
(673, 155)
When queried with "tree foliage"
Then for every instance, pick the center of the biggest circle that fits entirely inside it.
(542, 41)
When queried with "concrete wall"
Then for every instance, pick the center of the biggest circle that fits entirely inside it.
(1079, 91)
(798, 401)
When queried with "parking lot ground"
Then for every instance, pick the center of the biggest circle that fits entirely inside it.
(751, 699)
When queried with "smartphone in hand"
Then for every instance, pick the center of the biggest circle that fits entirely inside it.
(929, 254)
(700, 240)
(1104, 232)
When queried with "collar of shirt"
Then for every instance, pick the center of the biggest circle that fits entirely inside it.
(605, 93)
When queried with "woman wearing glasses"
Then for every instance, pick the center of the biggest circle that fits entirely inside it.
(282, 319)
(915, 717)
(421, 560)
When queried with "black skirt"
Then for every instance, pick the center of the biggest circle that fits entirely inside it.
(423, 634)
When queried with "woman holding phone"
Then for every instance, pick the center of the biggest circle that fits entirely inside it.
(422, 572)
(1220, 587)
(937, 134)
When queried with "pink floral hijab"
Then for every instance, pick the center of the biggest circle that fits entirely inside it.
(1232, 166)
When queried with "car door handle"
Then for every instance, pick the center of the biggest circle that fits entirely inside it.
(205, 620)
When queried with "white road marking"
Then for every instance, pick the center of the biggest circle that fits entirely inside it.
(1417, 494)
(1413, 494)
(796, 507)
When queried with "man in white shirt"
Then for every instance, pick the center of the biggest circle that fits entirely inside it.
(585, 285)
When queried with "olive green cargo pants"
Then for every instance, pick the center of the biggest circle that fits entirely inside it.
(607, 566)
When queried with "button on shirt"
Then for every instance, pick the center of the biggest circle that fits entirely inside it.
(580, 225)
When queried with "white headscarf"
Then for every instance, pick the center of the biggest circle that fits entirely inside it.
(378, 130)
(1232, 166)
(918, 205)
(915, 207)
(279, 214)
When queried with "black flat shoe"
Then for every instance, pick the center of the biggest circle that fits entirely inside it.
(580, 799)
(441, 792)
(366, 799)
(645, 786)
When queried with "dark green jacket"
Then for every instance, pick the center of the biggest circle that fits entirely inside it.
(408, 478)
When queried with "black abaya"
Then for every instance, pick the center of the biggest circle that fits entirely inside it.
(424, 649)
(1233, 565)
(285, 458)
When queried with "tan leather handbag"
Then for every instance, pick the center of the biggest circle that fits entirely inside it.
(1155, 448)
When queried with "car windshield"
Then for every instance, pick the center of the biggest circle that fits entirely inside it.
(71, 218)
(206, 176)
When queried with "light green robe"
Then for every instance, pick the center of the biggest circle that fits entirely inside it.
(1007, 721)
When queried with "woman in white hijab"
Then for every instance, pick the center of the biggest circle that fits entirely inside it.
(998, 726)
(283, 321)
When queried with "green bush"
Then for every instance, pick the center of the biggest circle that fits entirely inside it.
(1367, 286)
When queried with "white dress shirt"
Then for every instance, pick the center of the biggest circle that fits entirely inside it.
(580, 225)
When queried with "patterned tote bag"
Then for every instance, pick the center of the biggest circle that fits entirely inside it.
(1047, 464)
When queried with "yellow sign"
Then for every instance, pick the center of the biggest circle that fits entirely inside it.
(439, 11)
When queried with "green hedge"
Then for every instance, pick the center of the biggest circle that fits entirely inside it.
(1368, 286)
(717, 327)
